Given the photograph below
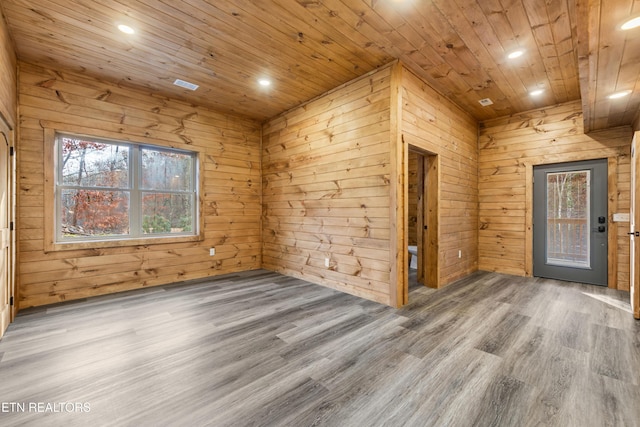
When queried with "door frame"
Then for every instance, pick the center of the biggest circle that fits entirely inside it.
(7, 136)
(428, 214)
(612, 207)
(428, 217)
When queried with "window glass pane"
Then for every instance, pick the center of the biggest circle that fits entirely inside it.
(167, 213)
(93, 213)
(163, 170)
(94, 164)
(102, 185)
(568, 218)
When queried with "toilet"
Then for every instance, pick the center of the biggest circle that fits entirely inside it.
(413, 253)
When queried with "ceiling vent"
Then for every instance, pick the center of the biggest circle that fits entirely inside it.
(485, 102)
(185, 85)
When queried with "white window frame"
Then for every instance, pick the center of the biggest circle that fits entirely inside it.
(53, 228)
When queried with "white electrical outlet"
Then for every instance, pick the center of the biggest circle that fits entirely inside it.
(326, 262)
(459, 254)
(212, 251)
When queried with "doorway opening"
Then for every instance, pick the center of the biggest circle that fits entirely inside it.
(421, 234)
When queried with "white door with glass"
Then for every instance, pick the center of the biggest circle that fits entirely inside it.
(6, 217)
(570, 221)
(634, 228)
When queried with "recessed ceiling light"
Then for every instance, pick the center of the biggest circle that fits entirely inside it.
(485, 102)
(264, 82)
(126, 29)
(536, 92)
(185, 84)
(619, 94)
(632, 23)
(515, 54)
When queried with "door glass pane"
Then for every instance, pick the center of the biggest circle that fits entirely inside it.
(568, 237)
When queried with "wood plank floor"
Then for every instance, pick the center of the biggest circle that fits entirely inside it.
(260, 349)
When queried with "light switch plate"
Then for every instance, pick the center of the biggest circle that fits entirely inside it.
(620, 217)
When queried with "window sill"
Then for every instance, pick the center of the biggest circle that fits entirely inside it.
(98, 244)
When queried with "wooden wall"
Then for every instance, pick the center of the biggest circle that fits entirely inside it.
(228, 145)
(330, 170)
(435, 125)
(509, 147)
(8, 79)
(326, 189)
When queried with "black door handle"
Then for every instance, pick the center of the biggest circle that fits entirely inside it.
(637, 234)
(601, 228)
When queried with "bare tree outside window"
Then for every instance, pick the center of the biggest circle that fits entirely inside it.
(164, 176)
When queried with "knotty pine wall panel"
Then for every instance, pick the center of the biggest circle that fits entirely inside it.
(8, 78)
(326, 189)
(509, 147)
(435, 125)
(230, 150)
(326, 184)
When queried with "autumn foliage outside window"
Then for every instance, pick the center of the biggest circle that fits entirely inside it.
(113, 190)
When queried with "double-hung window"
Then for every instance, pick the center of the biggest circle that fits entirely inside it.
(112, 190)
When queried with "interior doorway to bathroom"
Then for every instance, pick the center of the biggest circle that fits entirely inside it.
(422, 214)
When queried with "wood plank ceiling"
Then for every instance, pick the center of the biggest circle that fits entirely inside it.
(573, 49)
